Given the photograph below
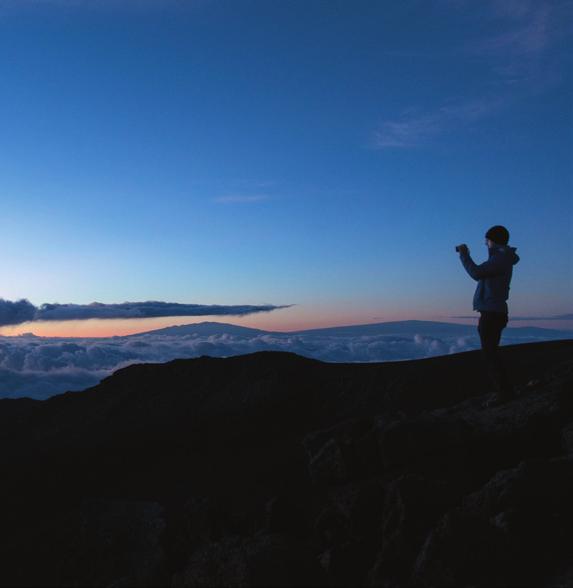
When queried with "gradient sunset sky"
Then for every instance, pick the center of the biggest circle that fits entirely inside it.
(324, 154)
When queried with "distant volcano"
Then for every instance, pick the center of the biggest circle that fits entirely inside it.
(205, 328)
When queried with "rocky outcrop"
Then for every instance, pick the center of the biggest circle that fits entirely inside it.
(514, 531)
(471, 496)
(275, 470)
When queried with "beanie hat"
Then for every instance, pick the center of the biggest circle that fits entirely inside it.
(498, 234)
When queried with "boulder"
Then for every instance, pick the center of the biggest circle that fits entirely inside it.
(567, 438)
(260, 560)
(412, 506)
(412, 440)
(342, 453)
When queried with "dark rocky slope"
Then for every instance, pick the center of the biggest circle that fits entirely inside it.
(273, 469)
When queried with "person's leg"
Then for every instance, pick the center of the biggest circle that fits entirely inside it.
(506, 389)
(490, 327)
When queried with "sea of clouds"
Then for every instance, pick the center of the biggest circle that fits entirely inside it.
(39, 367)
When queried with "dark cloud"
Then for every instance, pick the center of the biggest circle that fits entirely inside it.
(21, 311)
(14, 313)
(63, 312)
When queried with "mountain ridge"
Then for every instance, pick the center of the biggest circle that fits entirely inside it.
(410, 327)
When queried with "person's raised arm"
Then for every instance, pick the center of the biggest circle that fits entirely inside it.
(492, 267)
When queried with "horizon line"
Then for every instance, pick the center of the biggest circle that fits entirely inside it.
(271, 331)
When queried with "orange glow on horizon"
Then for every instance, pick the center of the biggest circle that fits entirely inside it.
(296, 318)
(284, 320)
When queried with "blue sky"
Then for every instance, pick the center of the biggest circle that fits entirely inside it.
(328, 155)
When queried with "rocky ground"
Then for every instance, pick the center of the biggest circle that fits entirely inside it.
(275, 470)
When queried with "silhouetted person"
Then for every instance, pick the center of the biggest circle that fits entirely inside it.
(490, 300)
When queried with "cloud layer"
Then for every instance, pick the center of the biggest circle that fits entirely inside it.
(22, 311)
(557, 317)
(40, 367)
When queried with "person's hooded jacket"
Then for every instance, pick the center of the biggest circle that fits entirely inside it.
(493, 278)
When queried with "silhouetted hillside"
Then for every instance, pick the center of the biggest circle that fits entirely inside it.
(274, 469)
